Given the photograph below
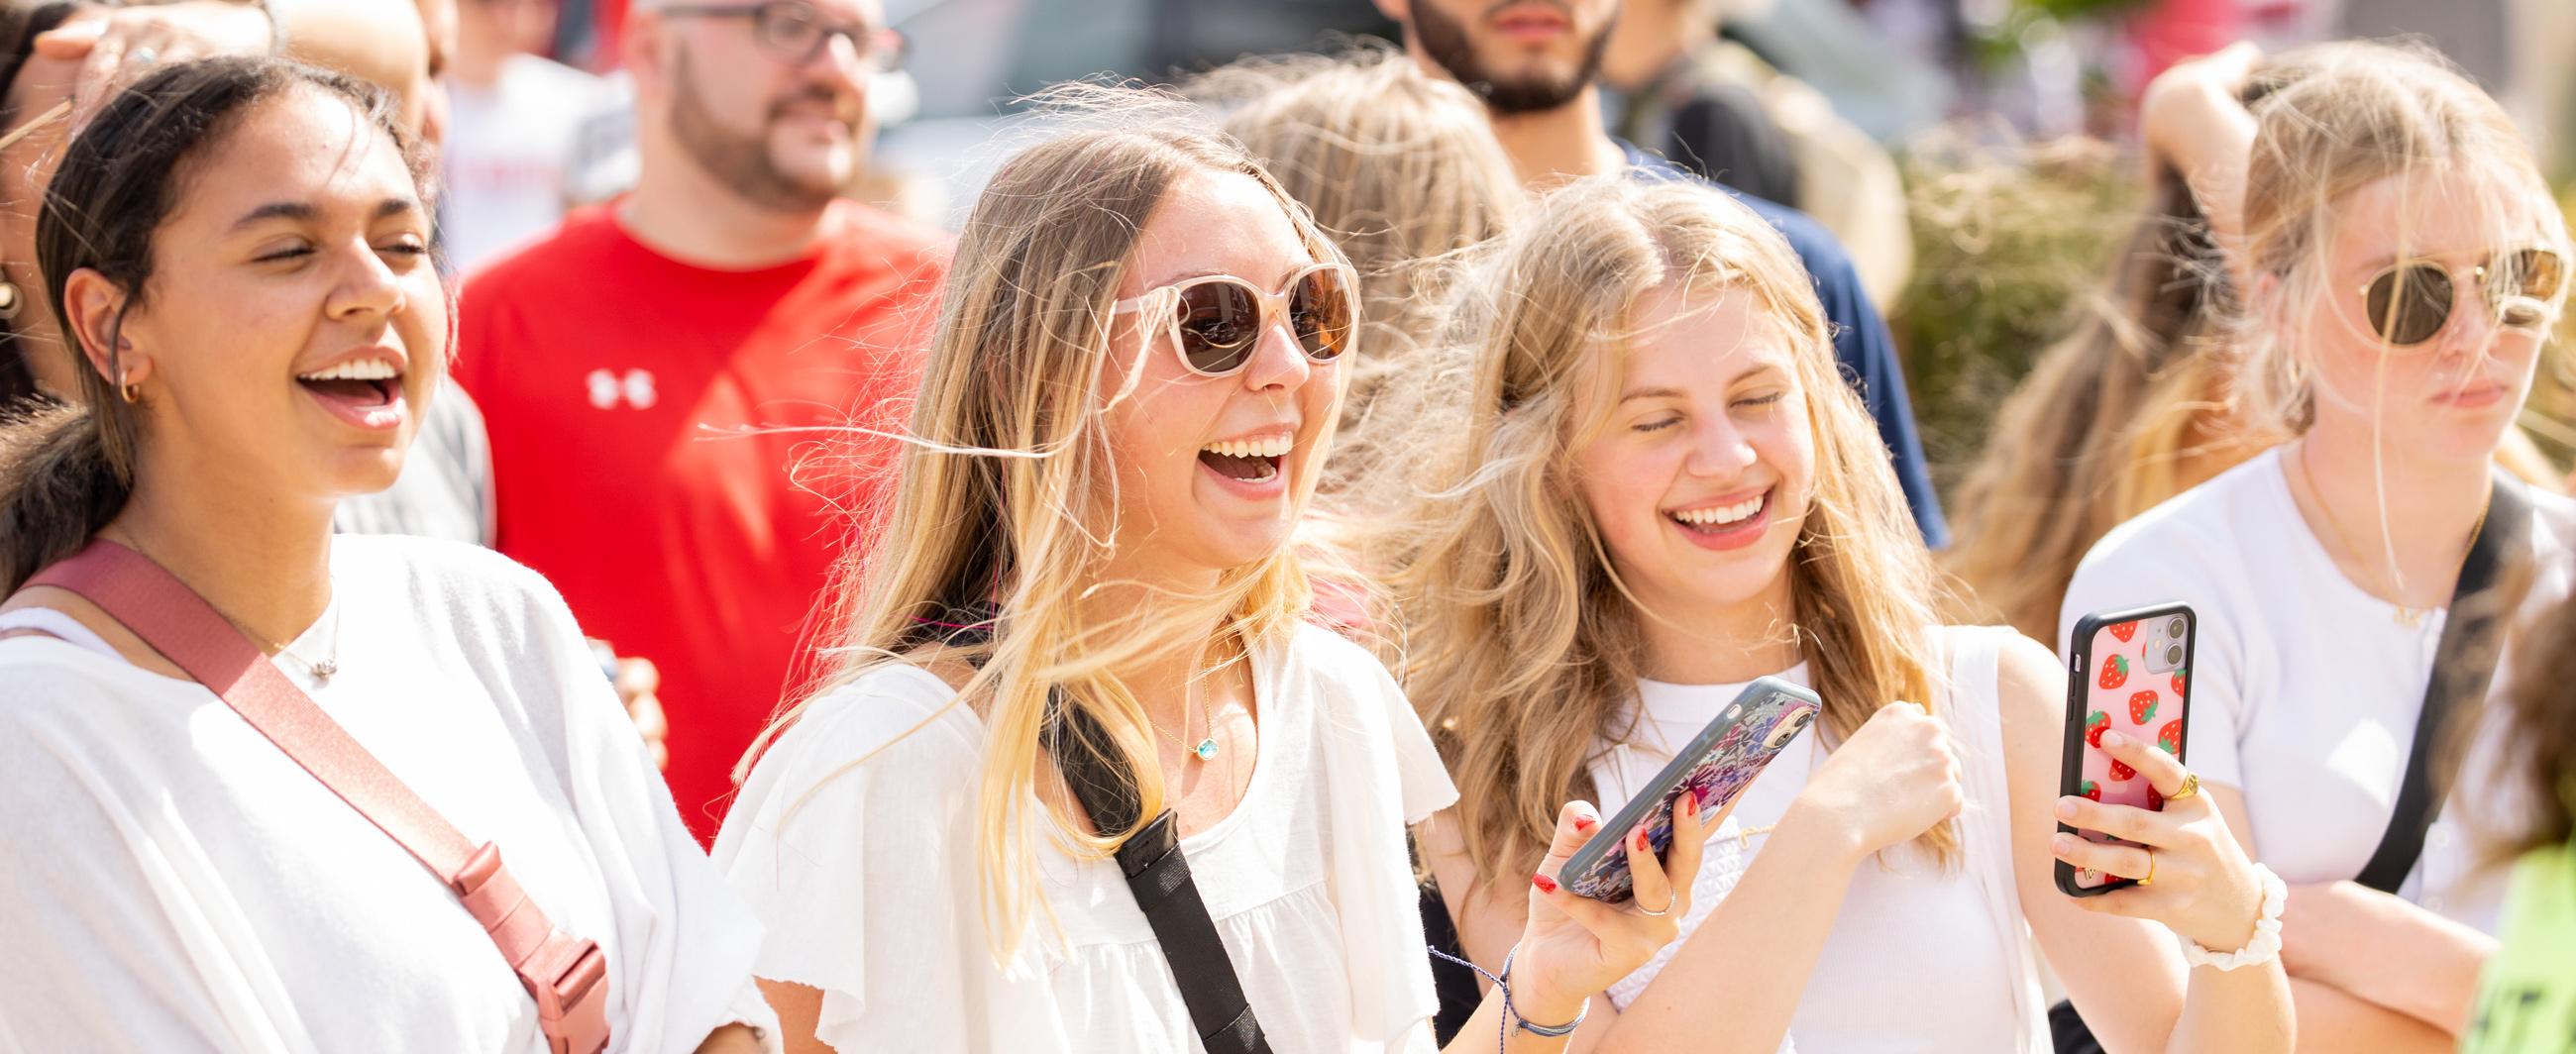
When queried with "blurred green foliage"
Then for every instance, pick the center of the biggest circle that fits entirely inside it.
(2008, 244)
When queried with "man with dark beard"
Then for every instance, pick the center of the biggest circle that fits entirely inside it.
(1537, 64)
(655, 371)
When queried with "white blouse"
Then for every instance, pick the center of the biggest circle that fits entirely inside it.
(854, 839)
(1920, 957)
(174, 882)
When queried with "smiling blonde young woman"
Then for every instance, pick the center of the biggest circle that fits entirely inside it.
(1648, 486)
(2403, 260)
(1138, 368)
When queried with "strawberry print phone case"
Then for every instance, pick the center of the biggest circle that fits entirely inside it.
(2130, 671)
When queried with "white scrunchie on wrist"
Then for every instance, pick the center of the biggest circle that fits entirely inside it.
(2261, 948)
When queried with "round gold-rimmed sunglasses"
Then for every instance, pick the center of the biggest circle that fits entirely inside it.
(1217, 320)
(2410, 301)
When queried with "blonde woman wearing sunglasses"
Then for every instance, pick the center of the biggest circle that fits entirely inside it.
(1140, 360)
(2403, 260)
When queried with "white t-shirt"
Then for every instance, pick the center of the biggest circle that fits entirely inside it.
(174, 882)
(2305, 688)
(1920, 958)
(507, 163)
(866, 873)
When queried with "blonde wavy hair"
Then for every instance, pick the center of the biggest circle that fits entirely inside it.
(1522, 647)
(1004, 509)
(1402, 171)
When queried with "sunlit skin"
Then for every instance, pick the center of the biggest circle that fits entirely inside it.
(303, 233)
(1708, 414)
(1180, 520)
(2450, 398)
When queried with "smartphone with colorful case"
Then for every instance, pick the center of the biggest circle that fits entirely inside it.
(2130, 671)
(1718, 763)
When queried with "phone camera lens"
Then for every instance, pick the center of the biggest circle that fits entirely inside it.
(2173, 654)
(2177, 628)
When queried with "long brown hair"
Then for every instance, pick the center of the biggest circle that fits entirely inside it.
(2128, 410)
(2540, 752)
(1520, 644)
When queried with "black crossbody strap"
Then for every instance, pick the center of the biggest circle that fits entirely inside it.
(2464, 664)
(1159, 876)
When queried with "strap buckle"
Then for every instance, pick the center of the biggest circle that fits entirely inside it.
(572, 1009)
(568, 978)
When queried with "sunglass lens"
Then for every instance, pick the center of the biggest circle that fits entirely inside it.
(2537, 273)
(1219, 324)
(2409, 304)
(1321, 312)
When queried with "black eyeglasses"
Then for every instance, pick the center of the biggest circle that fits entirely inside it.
(791, 31)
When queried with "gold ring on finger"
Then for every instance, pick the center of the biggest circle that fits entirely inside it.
(2190, 786)
(2151, 869)
(1667, 909)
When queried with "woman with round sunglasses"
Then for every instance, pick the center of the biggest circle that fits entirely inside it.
(2402, 259)
(1090, 569)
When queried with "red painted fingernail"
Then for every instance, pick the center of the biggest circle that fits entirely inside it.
(1584, 823)
(1544, 883)
(1699, 802)
(1641, 841)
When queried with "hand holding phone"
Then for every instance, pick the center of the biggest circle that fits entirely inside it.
(2130, 672)
(1714, 767)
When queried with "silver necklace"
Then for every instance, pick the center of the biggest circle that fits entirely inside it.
(330, 664)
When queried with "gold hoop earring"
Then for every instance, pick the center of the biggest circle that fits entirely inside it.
(130, 392)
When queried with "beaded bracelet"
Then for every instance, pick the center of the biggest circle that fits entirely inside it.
(1512, 1019)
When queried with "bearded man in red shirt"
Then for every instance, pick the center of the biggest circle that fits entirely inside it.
(656, 373)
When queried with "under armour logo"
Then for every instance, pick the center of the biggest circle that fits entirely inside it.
(607, 388)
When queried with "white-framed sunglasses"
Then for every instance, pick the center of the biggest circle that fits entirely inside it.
(1217, 320)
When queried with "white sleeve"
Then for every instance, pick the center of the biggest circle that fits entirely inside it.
(852, 840)
(686, 941)
(111, 944)
(1423, 778)
(2105, 581)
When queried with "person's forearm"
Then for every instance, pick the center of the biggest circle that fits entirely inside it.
(377, 41)
(2332, 1021)
(2420, 964)
(1477, 1035)
(2243, 1010)
(1735, 983)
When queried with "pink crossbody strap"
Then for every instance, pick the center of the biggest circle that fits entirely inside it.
(568, 978)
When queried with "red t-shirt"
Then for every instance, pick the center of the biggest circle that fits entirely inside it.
(614, 378)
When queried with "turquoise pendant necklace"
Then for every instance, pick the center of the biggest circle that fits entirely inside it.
(1206, 748)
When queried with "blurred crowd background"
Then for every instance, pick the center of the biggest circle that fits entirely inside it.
(1978, 157)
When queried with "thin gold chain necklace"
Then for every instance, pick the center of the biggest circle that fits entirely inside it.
(2409, 617)
(322, 671)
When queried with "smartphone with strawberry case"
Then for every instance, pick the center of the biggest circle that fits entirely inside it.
(2130, 672)
(1717, 764)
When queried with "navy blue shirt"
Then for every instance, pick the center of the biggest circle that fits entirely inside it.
(1861, 342)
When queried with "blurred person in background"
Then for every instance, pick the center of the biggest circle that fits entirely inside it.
(514, 123)
(655, 371)
(1537, 65)
(1714, 107)
(2527, 995)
